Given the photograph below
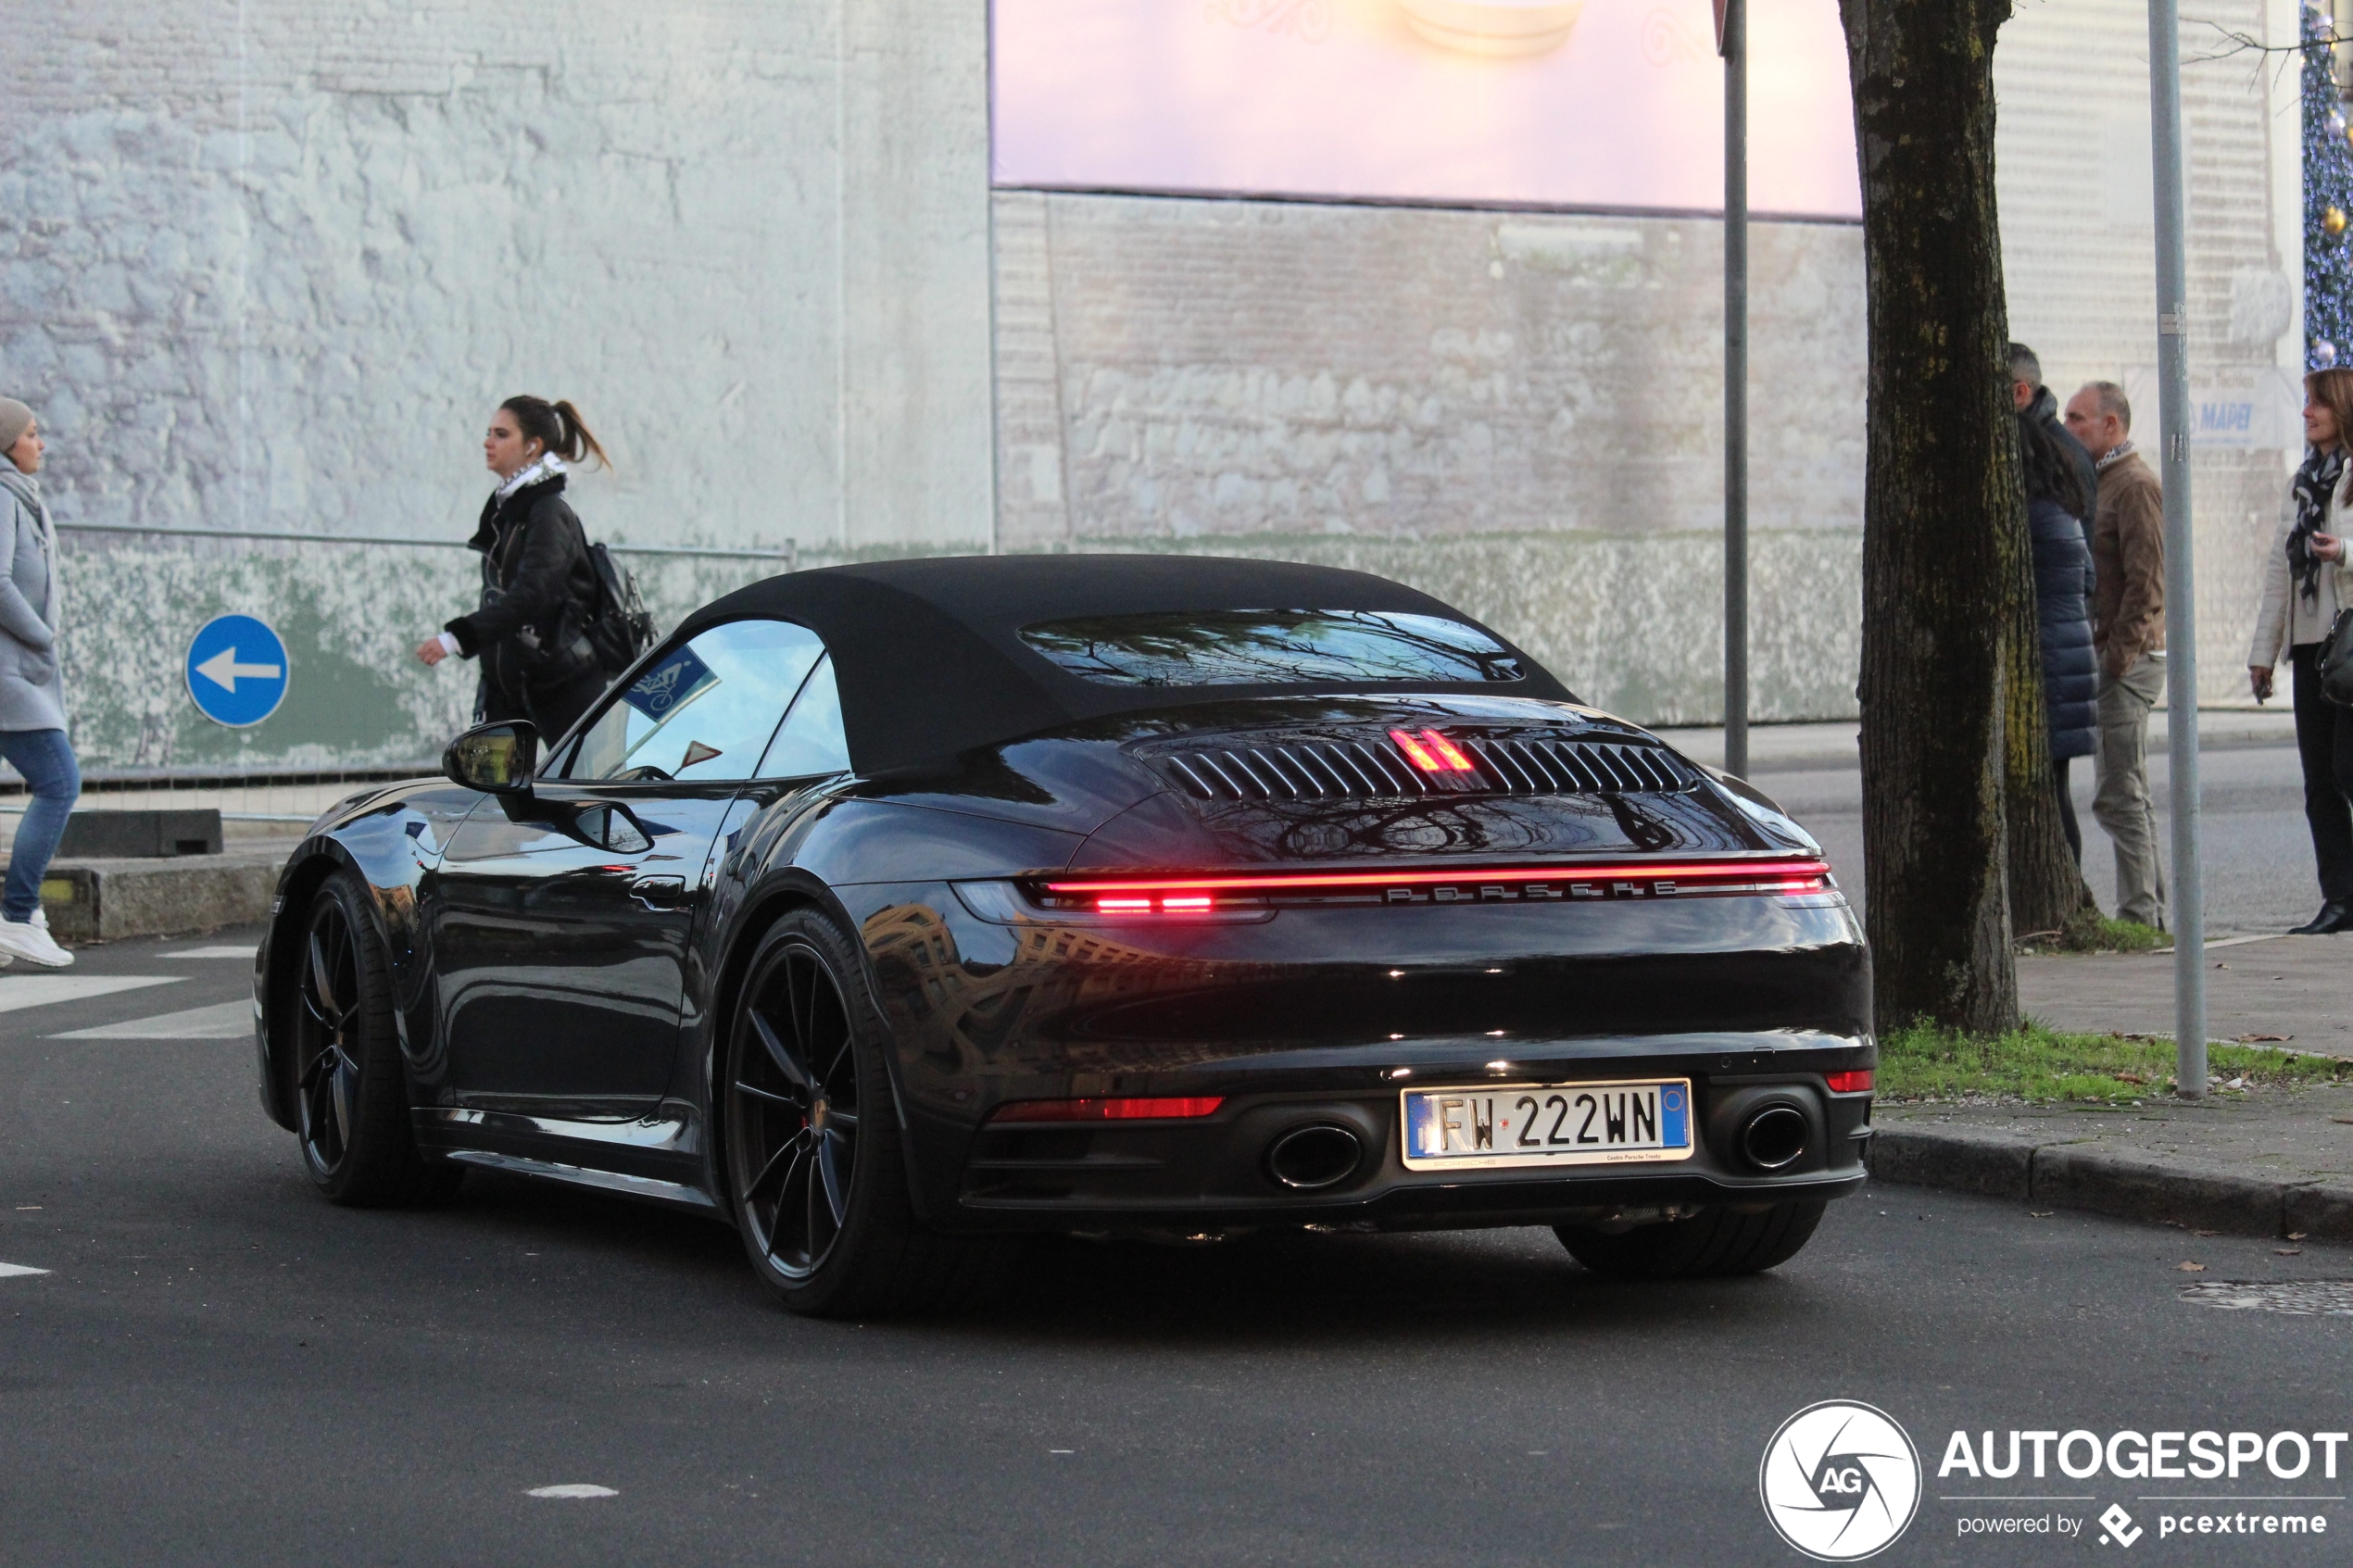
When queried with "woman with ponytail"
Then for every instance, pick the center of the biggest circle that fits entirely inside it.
(539, 588)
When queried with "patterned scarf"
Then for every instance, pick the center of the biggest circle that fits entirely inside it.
(2314, 485)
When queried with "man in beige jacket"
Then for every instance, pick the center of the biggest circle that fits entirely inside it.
(2127, 631)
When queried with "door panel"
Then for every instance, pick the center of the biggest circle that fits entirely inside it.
(563, 931)
(567, 917)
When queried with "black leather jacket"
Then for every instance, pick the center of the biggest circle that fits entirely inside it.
(539, 591)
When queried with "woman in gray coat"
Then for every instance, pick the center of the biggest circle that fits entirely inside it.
(32, 699)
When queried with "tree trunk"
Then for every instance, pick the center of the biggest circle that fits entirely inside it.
(1942, 521)
(2045, 883)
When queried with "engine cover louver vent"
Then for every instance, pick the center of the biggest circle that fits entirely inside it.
(1336, 770)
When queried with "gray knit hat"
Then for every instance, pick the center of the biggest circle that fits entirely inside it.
(14, 419)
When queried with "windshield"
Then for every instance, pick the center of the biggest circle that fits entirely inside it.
(1269, 647)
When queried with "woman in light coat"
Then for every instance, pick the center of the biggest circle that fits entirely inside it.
(32, 699)
(2306, 579)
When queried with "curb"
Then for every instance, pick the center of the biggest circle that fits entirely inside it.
(105, 900)
(2124, 1183)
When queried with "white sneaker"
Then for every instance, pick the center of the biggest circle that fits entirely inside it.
(30, 940)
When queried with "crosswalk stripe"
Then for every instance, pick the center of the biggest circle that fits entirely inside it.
(18, 992)
(223, 1021)
(244, 952)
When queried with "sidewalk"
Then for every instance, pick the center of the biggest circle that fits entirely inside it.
(2262, 1161)
(2296, 987)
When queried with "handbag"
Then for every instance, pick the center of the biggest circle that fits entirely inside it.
(2335, 660)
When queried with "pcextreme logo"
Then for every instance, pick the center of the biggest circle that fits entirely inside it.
(1839, 1481)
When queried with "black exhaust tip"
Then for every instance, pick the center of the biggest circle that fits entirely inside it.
(1775, 1136)
(1306, 1159)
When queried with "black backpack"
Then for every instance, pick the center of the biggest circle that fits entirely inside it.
(620, 628)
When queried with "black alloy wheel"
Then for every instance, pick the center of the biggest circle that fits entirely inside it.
(351, 1094)
(327, 1068)
(816, 1172)
(795, 1101)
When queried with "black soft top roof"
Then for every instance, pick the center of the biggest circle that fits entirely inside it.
(930, 662)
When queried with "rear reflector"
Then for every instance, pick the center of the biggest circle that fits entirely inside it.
(1127, 1110)
(1849, 1082)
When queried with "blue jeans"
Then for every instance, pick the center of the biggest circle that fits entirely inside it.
(47, 764)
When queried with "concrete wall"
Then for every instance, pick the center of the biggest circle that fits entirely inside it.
(1521, 413)
(269, 265)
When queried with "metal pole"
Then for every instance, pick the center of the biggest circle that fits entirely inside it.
(1735, 46)
(2180, 587)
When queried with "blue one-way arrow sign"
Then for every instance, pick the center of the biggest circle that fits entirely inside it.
(237, 670)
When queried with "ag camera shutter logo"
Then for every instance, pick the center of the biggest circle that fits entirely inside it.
(1839, 1481)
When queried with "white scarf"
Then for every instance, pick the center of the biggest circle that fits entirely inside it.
(546, 466)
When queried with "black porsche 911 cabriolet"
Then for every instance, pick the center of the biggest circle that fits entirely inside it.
(885, 910)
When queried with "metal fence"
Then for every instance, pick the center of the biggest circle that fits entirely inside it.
(788, 553)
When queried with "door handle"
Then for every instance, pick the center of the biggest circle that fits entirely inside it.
(658, 892)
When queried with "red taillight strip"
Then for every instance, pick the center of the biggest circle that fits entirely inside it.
(1128, 1108)
(1807, 873)
(1849, 1082)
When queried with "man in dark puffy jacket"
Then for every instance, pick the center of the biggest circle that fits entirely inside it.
(2039, 403)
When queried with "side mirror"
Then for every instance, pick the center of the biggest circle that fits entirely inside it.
(496, 758)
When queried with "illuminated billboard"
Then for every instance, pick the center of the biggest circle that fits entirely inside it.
(1612, 104)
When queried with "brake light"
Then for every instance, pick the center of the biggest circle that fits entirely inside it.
(1129, 1108)
(1432, 752)
(1849, 1082)
(1150, 895)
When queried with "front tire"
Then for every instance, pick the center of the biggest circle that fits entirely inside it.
(1713, 1244)
(816, 1168)
(351, 1091)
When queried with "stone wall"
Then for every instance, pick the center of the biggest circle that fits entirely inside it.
(268, 264)
(1521, 413)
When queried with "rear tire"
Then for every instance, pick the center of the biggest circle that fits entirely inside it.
(816, 1164)
(351, 1090)
(1714, 1243)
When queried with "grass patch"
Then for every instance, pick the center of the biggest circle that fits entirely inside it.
(2036, 1063)
(2092, 931)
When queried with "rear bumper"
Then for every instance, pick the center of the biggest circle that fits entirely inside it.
(1323, 1017)
(1220, 1171)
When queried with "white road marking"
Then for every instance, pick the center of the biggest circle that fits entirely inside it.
(46, 990)
(10, 1271)
(223, 1021)
(2229, 942)
(246, 952)
(573, 1489)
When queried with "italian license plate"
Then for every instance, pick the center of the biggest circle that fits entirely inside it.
(1496, 1125)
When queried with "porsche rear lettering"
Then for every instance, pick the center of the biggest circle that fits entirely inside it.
(1491, 893)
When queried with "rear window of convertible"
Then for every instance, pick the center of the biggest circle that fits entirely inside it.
(1269, 647)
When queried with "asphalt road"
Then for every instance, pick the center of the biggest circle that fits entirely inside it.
(2258, 853)
(218, 1368)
